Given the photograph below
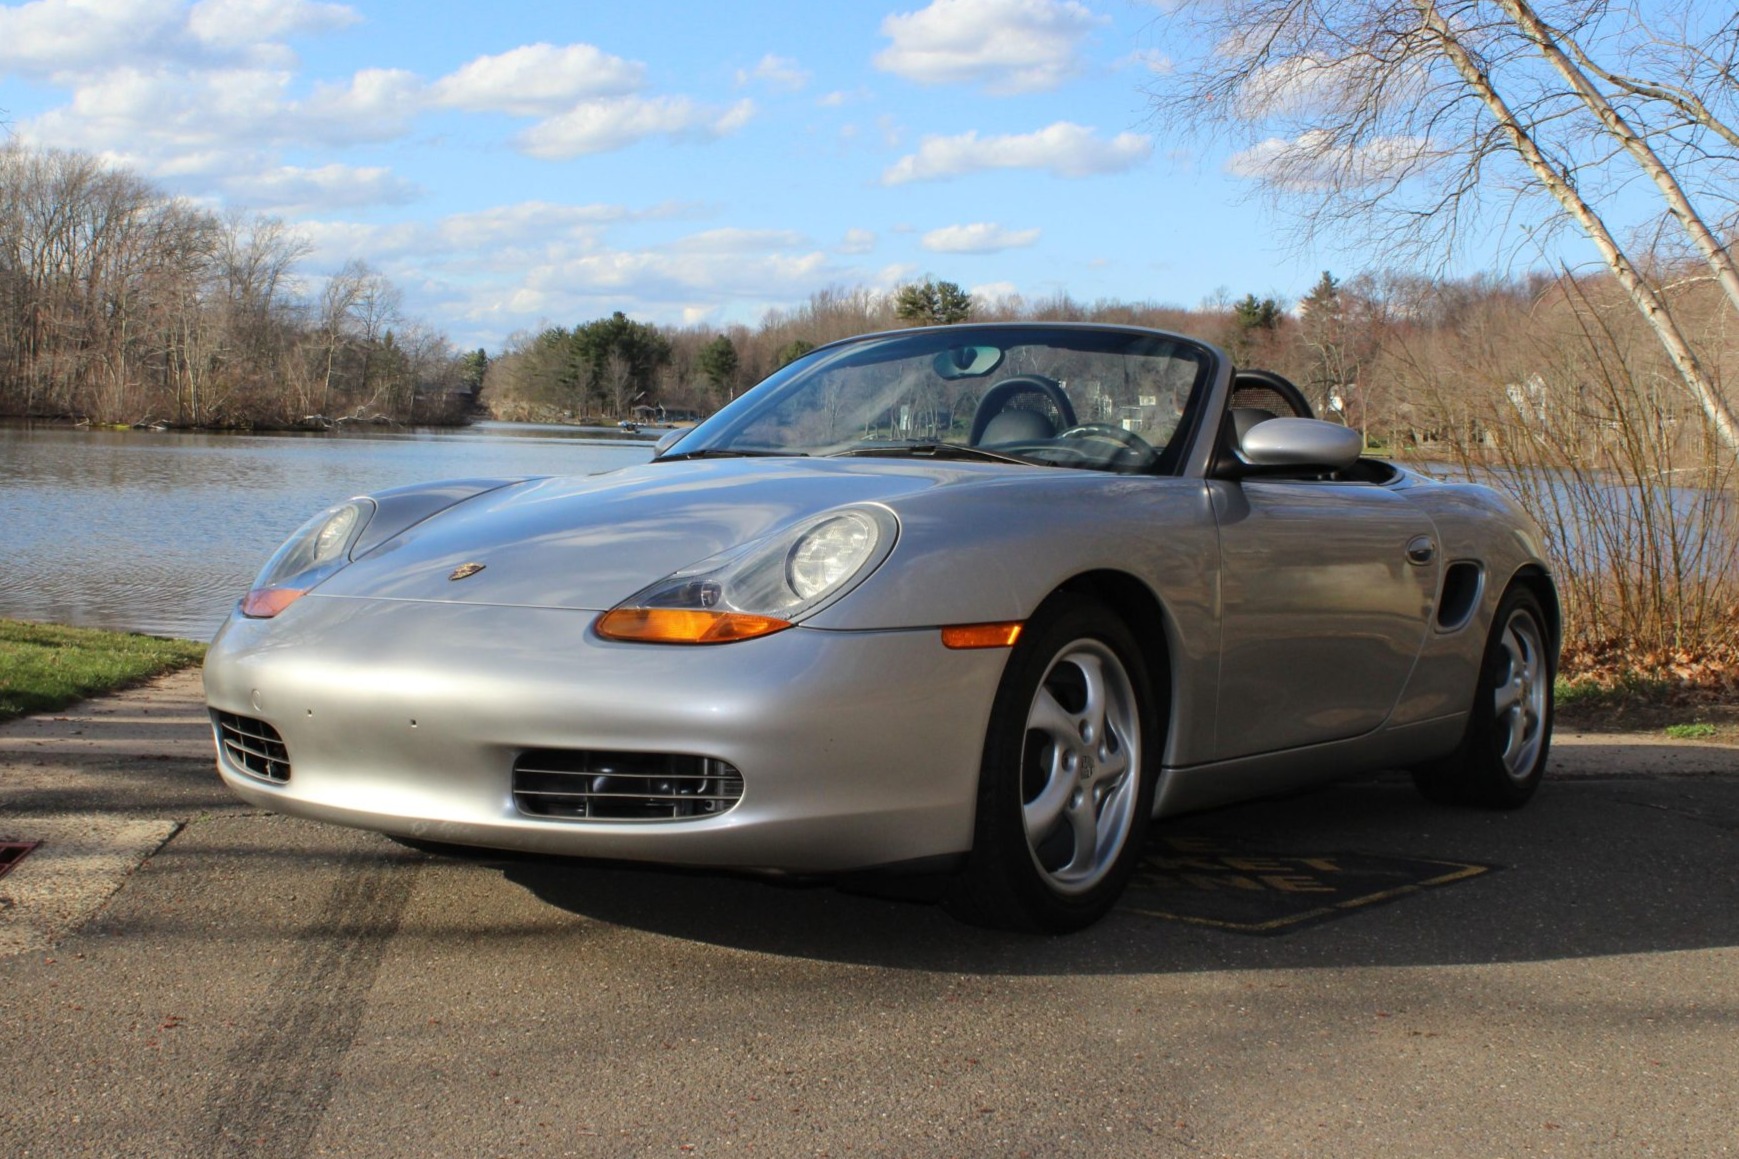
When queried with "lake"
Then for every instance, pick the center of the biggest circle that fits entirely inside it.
(161, 532)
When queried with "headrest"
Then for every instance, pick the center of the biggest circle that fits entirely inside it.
(1017, 426)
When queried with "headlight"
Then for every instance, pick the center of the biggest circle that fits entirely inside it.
(310, 556)
(760, 588)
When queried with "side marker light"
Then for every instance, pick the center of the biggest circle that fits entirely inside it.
(981, 635)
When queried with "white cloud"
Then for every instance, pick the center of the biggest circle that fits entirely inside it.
(154, 119)
(1150, 59)
(856, 241)
(739, 241)
(377, 104)
(496, 237)
(201, 91)
(239, 23)
(779, 72)
(212, 94)
(485, 274)
(537, 221)
(1004, 46)
(67, 39)
(892, 277)
(603, 125)
(150, 117)
(61, 36)
(291, 189)
(1313, 160)
(978, 238)
(658, 281)
(994, 292)
(1063, 150)
(538, 80)
(1287, 86)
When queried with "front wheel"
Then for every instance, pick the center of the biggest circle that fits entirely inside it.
(1065, 788)
(1503, 752)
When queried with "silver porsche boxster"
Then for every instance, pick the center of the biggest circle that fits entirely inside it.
(978, 602)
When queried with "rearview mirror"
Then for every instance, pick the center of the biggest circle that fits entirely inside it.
(967, 361)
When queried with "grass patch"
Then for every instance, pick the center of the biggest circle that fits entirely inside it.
(1633, 702)
(45, 666)
(1590, 695)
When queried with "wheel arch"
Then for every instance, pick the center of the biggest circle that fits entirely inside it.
(1137, 606)
(1538, 581)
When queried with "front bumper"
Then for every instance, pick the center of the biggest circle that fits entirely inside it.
(855, 748)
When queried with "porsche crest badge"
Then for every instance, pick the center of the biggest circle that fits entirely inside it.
(466, 570)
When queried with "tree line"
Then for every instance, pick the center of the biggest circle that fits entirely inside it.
(120, 304)
(1387, 351)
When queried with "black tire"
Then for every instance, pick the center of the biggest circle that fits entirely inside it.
(1502, 755)
(1081, 771)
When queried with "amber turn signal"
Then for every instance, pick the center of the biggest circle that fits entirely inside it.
(264, 603)
(685, 626)
(981, 635)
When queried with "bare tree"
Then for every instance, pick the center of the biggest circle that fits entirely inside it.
(616, 380)
(119, 303)
(1420, 125)
(338, 301)
(379, 306)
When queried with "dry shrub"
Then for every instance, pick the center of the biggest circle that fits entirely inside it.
(1579, 418)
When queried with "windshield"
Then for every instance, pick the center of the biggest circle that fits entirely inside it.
(1097, 398)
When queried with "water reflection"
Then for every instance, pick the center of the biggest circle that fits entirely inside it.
(161, 531)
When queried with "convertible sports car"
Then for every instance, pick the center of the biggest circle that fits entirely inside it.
(978, 601)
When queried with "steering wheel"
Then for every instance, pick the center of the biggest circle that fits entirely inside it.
(996, 398)
(1131, 449)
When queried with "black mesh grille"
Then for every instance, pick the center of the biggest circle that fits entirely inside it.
(252, 745)
(606, 786)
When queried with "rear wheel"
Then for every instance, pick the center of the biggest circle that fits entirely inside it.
(1502, 755)
(1064, 790)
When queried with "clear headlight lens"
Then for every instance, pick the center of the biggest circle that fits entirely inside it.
(830, 553)
(760, 588)
(318, 549)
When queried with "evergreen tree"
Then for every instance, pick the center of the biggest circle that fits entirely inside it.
(794, 349)
(472, 367)
(929, 303)
(718, 361)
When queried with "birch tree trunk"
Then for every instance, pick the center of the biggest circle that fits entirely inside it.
(1643, 296)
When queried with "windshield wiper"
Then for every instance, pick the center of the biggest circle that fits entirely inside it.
(937, 451)
(731, 453)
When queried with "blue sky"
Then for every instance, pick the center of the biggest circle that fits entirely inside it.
(511, 164)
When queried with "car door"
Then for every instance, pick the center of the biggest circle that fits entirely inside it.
(1325, 596)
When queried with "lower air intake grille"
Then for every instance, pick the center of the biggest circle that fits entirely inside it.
(601, 786)
(252, 745)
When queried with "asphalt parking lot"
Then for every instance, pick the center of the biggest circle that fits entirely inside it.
(1347, 972)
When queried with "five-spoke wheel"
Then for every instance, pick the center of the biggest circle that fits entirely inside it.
(1066, 785)
(1503, 752)
(1079, 771)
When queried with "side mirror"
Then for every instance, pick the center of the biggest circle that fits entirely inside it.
(668, 440)
(1290, 443)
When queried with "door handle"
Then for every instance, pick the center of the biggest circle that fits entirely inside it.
(1420, 550)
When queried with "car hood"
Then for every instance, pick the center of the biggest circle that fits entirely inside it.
(589, 543)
